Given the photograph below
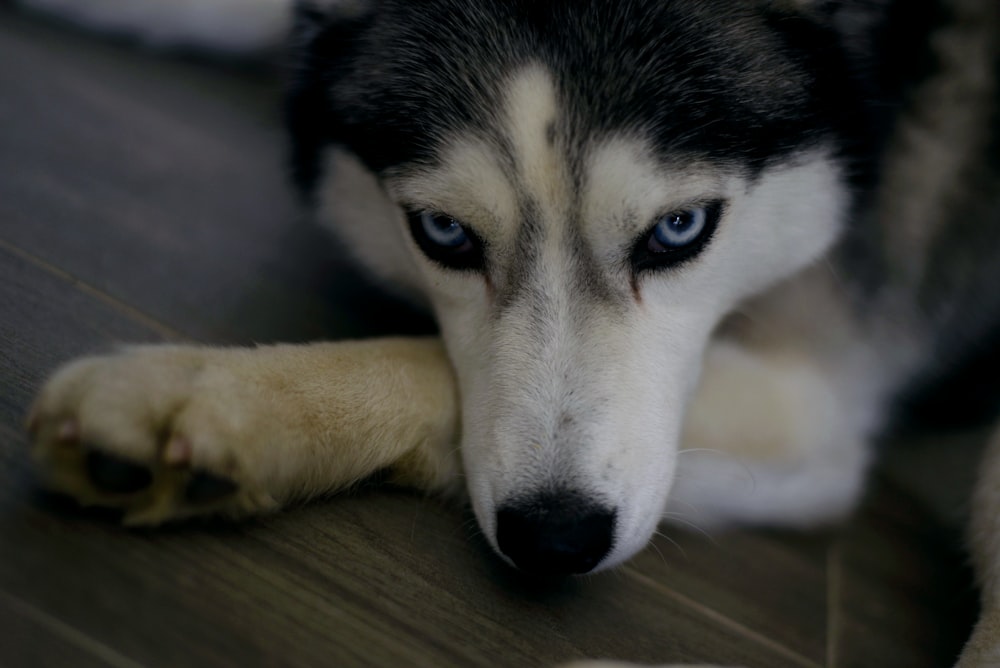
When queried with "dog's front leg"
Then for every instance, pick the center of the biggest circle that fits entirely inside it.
(165, 432)
(773, 436)
(983, 648)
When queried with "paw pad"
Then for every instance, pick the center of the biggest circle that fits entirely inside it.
(116, 475)
(208, 488)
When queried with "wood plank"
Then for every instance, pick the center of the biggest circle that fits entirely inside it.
(162, 183)
(904, 591)
(337, 584)
(773, 584)
(30, 637)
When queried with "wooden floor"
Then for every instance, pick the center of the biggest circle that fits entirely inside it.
(142, 199)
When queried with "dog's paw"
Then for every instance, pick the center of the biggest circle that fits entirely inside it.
(160, 433)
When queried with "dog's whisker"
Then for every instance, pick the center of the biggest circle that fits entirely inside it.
(671, 541)
(686, 504)
(659, 552)
(749, 474)
(716, 451)
(677, 517)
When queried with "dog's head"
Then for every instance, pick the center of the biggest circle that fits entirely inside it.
(585, 189)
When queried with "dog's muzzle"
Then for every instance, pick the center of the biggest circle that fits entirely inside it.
(555, 533)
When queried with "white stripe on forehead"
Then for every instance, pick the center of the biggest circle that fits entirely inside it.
(477, 183)
(531, 116)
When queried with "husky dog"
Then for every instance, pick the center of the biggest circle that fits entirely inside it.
(668, 243)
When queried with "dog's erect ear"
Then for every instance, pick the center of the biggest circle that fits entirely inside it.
(324, 35)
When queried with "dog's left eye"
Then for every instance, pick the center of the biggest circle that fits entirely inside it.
(677, 229)
(676, 236)
(446, 241)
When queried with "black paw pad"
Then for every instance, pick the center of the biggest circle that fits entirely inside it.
(207, 487)
(116, 475)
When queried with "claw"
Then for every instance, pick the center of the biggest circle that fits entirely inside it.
(178, 451)
(69, 432)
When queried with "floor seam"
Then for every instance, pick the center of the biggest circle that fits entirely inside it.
(70, 633)
(723, 619)
(834, 578)
(160, 328)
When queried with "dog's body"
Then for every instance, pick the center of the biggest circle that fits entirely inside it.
(731, 231)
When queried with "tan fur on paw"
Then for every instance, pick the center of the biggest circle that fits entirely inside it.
(131, 431)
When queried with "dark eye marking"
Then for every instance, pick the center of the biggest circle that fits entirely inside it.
(446, 241)
(676, 237)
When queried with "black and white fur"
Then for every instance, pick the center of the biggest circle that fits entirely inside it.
(559, 131)
(846, 149)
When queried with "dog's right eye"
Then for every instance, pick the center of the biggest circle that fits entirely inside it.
(446, 241)
(676, 237)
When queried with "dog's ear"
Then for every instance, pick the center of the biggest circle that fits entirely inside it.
(324, 35)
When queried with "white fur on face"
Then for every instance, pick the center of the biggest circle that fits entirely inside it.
(567, 386)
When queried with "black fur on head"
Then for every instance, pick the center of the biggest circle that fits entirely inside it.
(740, 81)
(321, 46)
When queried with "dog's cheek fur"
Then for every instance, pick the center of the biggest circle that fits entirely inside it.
(369, 227)
(776, 225)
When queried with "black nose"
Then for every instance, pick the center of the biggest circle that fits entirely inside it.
(555, 534)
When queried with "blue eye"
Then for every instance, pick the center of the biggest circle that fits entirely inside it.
(447, 241)
(443, 230)
(676, 237)
(677, 229)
